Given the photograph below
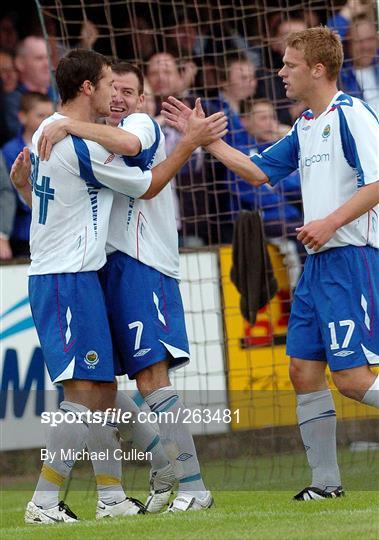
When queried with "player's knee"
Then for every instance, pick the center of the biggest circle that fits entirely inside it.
(346, 389)
(152, 378)
(353, 383)
(307, 376)
(294, 374)
(298, 376)
(93, 394)
(108, 394)
(347, 386)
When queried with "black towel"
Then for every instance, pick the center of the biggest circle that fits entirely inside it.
(251, 272)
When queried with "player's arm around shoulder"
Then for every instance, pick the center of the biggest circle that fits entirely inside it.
(114, 139)
(143, 128)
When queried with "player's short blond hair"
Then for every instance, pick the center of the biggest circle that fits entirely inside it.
(319, 45)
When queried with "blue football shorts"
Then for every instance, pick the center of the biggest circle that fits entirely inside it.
(70, 316)
(335, 311)
(146, 315)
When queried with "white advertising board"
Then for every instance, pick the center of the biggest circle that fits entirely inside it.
(26, 389)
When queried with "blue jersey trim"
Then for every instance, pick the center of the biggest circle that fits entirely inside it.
(86, 173)
(344, 100)
(281, 159)
(84, 159)
(144, 160)
(370, 110)
(350, 148)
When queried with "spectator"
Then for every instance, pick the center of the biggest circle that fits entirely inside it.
(135, 36)
(264, 129)
(8, 73)
(55, 44)
(233, 40)
(193, 188)
(88, 36)
(143, 40)
(342, 19)
(149, 105)
(280, 206)
(238, 83)
(34, 76)
(261, 121)
(8, 82)
(34, 108)
(360, 72)
(7, 210)
(271, 85)
(166, 79)
(8, 34)
(186, 38)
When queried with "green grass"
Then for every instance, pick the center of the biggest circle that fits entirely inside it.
(237, 514)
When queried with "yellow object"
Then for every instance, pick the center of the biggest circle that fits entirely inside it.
(52, 476)
(258, 380)
(106, 480)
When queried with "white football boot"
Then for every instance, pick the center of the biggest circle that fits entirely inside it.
(188, 503)
(127, 507)
(58, 514)
(162, 482)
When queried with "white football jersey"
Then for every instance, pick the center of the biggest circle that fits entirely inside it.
(146, 229)
(336, 154)
(72, 203)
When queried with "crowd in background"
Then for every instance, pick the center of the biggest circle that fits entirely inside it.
(231, 70)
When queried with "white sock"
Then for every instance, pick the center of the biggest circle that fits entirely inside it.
(317, 421)
(108, 472)
(60, 440)
(178, 436)
(144, 436)
(371, 397)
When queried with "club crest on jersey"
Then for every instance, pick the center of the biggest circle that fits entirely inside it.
(109, 159)
(326, 132)
(91, 359)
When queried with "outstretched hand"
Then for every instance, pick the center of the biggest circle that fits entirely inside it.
(194, 125)
(176, 114)
(202, 130)
(21, 169)
(51, 134)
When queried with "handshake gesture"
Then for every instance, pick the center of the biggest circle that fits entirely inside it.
(196, 128)
(193, 124)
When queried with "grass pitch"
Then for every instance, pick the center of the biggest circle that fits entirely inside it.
(260, 515)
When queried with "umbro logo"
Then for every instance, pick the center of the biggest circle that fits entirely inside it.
(184, 456)
(141, 352)
(343, 353)
(109, 159)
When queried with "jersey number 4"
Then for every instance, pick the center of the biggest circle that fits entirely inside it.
(43, 190)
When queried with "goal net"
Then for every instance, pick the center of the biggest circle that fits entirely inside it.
(226, 52)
